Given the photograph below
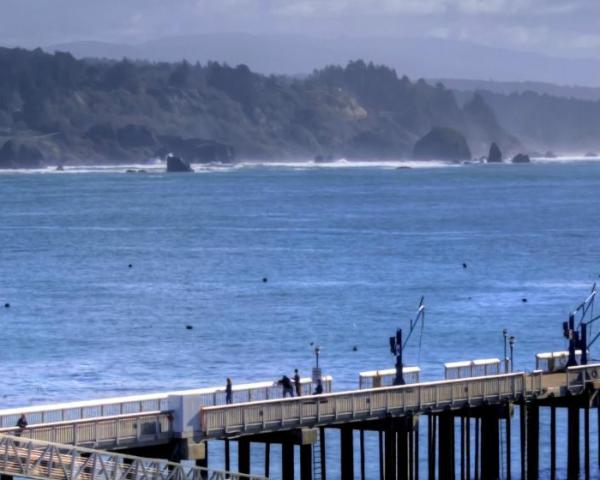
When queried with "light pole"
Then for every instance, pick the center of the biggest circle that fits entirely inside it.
(511, 342)
(505, 334)
(317, 351)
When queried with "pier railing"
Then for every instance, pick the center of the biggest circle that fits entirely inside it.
(112, 432)
(50, 461)
(147, 403)
(364, 404)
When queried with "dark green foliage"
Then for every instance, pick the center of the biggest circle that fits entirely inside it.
(99, 110)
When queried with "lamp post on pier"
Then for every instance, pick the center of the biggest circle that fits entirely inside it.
(505, 335)
(511, 342)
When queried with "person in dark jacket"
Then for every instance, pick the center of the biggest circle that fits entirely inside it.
(319, 387)
(286, 385)
(22, 424)
(297, 383)
(228, 392)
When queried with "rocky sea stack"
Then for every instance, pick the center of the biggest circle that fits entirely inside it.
(521, 158)
(442, 143)
(495, 155)
(177, 164)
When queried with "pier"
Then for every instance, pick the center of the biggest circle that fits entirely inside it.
(178, 425)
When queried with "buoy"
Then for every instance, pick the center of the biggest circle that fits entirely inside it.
(464, 265)
(354, 348)
(189, 327)
(130, 265)
(265, 279)
(524, 300)
(7, 305)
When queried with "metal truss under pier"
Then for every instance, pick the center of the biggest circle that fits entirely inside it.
(23, 457)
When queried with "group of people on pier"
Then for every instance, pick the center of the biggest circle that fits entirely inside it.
(289, 386)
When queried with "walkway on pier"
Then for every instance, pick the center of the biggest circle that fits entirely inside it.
(131, 421)
(50, 461)
(380, 403)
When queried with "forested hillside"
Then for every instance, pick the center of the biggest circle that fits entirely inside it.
(56, 109)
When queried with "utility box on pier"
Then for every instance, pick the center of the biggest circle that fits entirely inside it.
(186, 413)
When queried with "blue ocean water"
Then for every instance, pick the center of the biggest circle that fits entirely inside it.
(347, 253)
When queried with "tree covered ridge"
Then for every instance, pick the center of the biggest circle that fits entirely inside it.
(98, 111)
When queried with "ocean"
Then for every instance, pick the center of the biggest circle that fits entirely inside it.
(103, 272)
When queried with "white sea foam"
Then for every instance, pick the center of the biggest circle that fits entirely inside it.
(159, 167)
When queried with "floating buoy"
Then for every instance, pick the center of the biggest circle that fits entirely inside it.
(265, 279)
(7, 305)
(464, 265)
(354, 348)
(189, 327)
(130, 265)
(524, 300)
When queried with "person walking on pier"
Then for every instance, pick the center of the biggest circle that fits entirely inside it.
(297, 383)
(22, 424)
(286, 385)
(228, 392)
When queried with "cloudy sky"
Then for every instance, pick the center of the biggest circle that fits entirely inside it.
(568, 28)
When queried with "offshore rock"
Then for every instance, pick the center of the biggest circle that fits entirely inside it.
(197, 150)
(521, 158)
(176, 164)
(442, 143)
(495, 155)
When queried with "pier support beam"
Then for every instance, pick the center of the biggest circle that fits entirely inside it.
(6, 477)
(287, 461)
(244, 456)
(552, 443)
(306, 462)
(402, 443)
(390, 452)
(431, 444)
(586, 438)
(533, 444)
(267, 459)
(523, 438)
(227, 456)
(347, 453)
(323, 452)
(573, 442)
(446, 446)
(490, 445)
(508, 442)
(362, 455)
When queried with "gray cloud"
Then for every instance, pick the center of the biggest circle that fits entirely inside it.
(556, 27)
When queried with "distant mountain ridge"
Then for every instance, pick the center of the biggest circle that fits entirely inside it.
(298, 54)
(468, 87)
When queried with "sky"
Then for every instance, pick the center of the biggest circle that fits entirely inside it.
(564, 28)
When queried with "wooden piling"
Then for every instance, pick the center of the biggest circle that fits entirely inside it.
(243, 456)
(533, 444)
(446, 446)
(347, 453)
(362, 455)
(552, 442)
(573, 442)
(287, 461)
(306, 462)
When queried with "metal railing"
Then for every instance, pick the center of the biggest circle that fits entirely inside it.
(50, 461)
(141, 404)
(362, 404)
(111, 432)
(577, 377)
(385, 378)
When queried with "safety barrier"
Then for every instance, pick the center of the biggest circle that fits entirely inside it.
(50, 461)
(361, 404)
